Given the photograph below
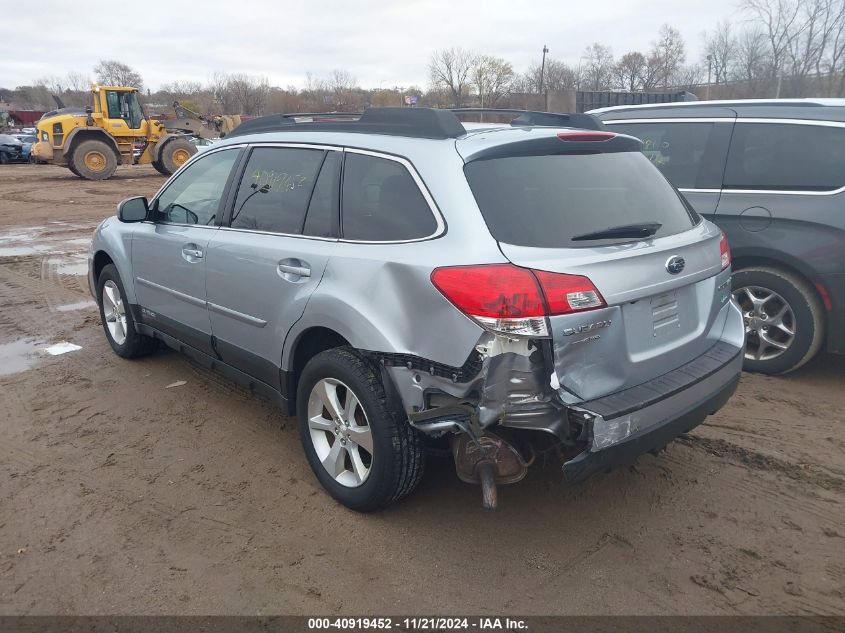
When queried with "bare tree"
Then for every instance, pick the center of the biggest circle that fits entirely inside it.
(668, 55)
(249, 92)
(492, 77)
(778, 19)
(111, 72)
(449, 70)
(630, 71)
(597, 72)
(721, 47)
(342, 86)
(557, 76)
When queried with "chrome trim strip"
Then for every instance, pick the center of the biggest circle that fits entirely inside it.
(238, 316)
(787, 192)
(693, 190)
(725, 119)
(179, 295)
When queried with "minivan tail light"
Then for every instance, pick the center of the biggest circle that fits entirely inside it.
(724, 250)
(511, 300)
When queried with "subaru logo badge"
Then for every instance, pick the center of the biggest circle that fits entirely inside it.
(675, 264)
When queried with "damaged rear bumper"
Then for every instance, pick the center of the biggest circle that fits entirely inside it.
(627, 424)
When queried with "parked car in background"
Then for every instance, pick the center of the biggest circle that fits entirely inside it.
(202, 143)
(402, 279)
(771, 174)
(11, 149)
(26, 149)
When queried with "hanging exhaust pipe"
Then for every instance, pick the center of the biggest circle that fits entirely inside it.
(488, 460)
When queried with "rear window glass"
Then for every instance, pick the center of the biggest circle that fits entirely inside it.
(786, 156)
(545, 201)
(381, 202)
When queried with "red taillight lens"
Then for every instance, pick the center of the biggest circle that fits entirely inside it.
(585, 137)
(500, 291)
(507, 298)
(568, 293)
(725, 251)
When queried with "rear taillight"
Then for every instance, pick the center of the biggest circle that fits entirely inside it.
(511, 300)
(724, 250)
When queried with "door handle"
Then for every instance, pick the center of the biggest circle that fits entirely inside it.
(299, 271)
(191, 252)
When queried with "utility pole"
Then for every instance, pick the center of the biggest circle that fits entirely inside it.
(709, 67)
(542, 74)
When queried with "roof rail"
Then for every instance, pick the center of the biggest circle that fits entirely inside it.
(536, 118)
(414, 122)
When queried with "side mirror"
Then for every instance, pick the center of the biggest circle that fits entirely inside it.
(133, 209)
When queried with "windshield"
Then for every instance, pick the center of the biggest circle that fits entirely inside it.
(546, 201)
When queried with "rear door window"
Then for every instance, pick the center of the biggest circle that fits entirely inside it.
(545, 201)
(275, 189)
(323, 211)
(686, 153)
(381, 202)
(786, 156)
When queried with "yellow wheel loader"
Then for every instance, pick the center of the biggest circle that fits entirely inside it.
(92, 142)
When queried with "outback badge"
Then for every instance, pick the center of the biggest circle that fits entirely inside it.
(675, 264)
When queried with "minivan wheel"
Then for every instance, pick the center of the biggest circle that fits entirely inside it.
(116, 317)
(784, 321)
(361, 448)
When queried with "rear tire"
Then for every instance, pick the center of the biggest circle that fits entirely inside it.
(116, 317)
(370, 478)
(94, 160)
(73, 169)
(174, 154)
(160, 168)
(793, 328)
(4, 158)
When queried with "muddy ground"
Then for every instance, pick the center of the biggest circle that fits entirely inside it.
(120, 495)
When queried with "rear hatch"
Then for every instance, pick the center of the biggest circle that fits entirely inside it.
(658, 269)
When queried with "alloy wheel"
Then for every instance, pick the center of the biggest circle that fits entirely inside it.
(340, 432)
(769, 322)
(114, 312)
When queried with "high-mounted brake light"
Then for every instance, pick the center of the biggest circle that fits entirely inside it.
(724, 250)
(585, 137)
(511, 300)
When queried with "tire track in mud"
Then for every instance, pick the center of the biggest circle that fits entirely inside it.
(805, 473)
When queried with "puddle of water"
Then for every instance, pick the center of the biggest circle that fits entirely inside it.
(74, 264)
(79, 305)
(42, 239)
(18, 356)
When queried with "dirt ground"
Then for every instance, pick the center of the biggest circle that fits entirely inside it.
(119, 495)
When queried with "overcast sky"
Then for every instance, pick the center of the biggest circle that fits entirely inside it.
(381, 43)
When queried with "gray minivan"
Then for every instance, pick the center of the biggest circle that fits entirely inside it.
(771, 174)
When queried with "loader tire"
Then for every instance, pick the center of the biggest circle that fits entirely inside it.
(175, 154)
(73, 169)
(160, 168)
(94, 160)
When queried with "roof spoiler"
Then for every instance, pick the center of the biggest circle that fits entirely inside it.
(536, 118)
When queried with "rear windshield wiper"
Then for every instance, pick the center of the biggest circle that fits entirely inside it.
(643, 230)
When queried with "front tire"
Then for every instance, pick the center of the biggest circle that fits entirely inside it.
(361, 448)
(116, 317)
(160, 168)
(784, 319)
(94, 160)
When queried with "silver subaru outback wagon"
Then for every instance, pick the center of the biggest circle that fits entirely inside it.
(402, 282)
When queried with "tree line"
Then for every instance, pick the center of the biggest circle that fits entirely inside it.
(786, 48)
